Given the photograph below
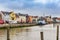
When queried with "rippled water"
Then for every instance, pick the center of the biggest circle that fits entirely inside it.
(30, 33)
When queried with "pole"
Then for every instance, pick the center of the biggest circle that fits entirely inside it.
(57, 32)
(41, 35)
(8, 33)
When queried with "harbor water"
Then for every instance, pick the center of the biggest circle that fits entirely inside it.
(31, 33)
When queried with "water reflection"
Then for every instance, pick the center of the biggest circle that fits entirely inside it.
(30, 33)
(3, 34)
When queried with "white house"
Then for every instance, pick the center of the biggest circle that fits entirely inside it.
(5, 16)
(22, 18)
(35, 19)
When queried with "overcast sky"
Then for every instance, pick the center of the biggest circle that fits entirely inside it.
(32, 7)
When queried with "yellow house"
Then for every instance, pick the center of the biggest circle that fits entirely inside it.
(12, 16)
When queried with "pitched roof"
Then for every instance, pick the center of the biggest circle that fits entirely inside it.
(58, 18)
(22, 14)
(35, 16)
(17, 15)
(4, 12)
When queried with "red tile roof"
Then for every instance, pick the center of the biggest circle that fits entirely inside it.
(58, 18)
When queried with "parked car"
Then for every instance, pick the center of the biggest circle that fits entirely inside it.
(41, 22)
(1, 21)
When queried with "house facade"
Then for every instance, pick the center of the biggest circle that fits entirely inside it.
(1, 16)
(34, 19)
(57, 20)
(8, 16)
(12, 16)
(5, 16)
(22, 18)
(29, 19)
(48, 19)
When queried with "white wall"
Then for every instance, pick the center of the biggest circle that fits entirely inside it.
(23, 18)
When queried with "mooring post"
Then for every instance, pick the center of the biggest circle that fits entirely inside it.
(57, 32)
(41, 33)
(8, 33)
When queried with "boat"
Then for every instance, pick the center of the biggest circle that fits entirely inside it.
(41, 22)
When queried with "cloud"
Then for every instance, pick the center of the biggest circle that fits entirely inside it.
(40, 1)
(46, 1)
(32, 7)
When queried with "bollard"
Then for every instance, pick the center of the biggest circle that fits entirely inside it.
(41, 33)
(57, 33)
(8, 33)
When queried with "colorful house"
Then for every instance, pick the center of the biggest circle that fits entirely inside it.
(48, 19)
(1, 15)
(21, 18)
(5, 16)
(34, 19)
(8, 16)
(57, 20)
(12, 16)
(29, 19)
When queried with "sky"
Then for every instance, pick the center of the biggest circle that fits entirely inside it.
(32, 7)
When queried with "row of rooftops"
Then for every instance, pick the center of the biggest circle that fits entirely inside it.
(17, 14)
(4, 12)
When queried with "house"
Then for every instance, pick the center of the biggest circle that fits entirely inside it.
(48, 19)
(54, 19)
(5, 16)
(57, 20)
(1, 15)
(12, 16)
(34, 19)
(22, 18)
(1, 18)
(8, 16)
(29, 19)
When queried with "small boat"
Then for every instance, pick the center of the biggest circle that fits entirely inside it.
(41, 22)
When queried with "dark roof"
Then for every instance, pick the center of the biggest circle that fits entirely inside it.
(54, 17)
(4, 12)
(17, 15)
(35, 16)
(22, 14)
